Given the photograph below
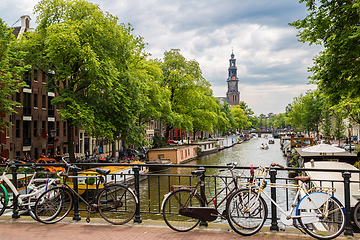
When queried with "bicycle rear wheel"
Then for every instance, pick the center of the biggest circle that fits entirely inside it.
(53, 205)
(31, 201)
(246, 211)
(3, 200)
(356, 214)
(172, 206)
(117, 205)
(321, 215)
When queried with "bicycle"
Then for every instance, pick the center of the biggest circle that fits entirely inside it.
(26, 201)
(318, 212)
(116, 203)
(183, 208)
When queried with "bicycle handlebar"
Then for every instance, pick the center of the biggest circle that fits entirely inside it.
(277, 165)
(69, 165)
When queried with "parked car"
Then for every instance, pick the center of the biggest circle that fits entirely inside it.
(134, 153)
(174, 142)
(347, 147)
(335, 144)
(49, 161)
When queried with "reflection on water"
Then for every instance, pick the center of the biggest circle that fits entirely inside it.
(244, 154)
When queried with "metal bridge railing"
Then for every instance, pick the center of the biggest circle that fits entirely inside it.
(151, 190)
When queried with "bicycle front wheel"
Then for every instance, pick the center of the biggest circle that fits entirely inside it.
(246, 211)
(53, 205)
(117, 204)
(3, 200)
(177, 201)
(31, 201)
(321, 215)
(356, 214)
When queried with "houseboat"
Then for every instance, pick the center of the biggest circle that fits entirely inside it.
(206, 147)
(177, 153)
(336, 180)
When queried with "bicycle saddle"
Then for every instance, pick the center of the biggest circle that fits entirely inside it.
(103, 171)
(303, 179)
(197, 173)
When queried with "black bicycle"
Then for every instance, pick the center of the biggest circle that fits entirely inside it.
(116, 203)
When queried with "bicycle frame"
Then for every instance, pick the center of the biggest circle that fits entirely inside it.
(201, 184)
(259, 188)
(31, 186)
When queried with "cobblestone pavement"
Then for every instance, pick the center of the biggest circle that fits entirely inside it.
(148, 230)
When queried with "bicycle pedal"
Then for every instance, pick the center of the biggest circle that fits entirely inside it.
(87, 220)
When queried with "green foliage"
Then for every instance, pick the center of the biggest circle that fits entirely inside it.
(335, 25)
(241, 120)
(12, 66)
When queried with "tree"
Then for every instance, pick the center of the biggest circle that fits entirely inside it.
(335, 25)
(12, 66)
(241, 120)
(87, 55)
(188, 92)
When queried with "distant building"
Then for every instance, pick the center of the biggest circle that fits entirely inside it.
(37, 126)
(232, 94)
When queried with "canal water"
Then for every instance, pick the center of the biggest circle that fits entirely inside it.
(246, 153)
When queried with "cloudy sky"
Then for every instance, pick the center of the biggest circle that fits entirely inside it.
(272, 64)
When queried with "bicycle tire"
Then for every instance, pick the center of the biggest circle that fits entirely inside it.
(117, 204)
(31, 201)
(245, 222)
(53, 205)
(172, 205)
(356, 214)
(3, 200)
(316, 224)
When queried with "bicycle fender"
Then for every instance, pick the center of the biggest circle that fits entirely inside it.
(313, 201)
(165, 197)
(133, 193)
(6, 195)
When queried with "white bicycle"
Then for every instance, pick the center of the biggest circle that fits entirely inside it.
(318, 212)
(27, 200)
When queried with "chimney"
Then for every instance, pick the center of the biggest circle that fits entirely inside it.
(25, 21)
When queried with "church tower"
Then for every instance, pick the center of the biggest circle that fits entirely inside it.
(233, 94)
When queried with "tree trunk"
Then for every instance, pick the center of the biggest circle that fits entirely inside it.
(70, 137)
(113, 152)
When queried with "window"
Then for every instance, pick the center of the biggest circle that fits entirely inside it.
(35, 100)
(57, 128)
(17, 126)
(43, 126)
(27, 104)
(64, 129)
(36, 77)
(43, 101)
(35, 128)
(18, 99)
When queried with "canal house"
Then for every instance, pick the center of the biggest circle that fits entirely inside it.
(177, 154)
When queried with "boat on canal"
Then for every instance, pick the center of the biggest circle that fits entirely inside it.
(118, 174)
(318, 178)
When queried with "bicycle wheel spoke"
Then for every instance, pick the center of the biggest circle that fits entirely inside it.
(247, 212)
(117, 205)
(174, 204)
(326, 222)
(53, 205)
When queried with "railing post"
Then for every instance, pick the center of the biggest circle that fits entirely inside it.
(137, 218)
(15, 214)
(202, 193)
(348, 231)
(76, 216)
(274, 225)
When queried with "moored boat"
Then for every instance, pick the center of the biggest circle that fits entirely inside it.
(118, 174)
(154, 166)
